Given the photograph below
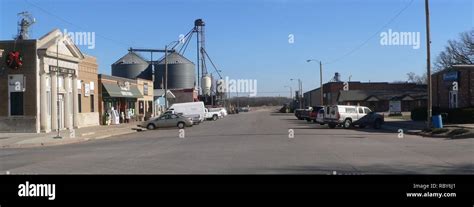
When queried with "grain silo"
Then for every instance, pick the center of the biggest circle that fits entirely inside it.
(181, 73)
(131, 66)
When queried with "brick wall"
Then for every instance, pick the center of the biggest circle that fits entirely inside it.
(27, 49)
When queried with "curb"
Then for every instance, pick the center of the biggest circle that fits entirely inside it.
(82, 138)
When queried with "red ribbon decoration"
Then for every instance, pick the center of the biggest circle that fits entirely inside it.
(14, 60)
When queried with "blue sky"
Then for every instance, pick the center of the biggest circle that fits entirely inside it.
(249, 39)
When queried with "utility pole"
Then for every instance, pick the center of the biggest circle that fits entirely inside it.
(166, 76)
(321, 82)
(428, 64)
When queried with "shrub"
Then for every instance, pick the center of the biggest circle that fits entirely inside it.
(453, 116)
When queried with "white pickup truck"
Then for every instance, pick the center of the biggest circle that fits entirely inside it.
(212, 114)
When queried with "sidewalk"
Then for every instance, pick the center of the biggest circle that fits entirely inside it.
(22, 140)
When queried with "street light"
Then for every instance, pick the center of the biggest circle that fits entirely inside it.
(300, 95)
(291, 91)
(321, 99)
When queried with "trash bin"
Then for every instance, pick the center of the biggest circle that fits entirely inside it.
(437, 121)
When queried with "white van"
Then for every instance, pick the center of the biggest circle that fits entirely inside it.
(344, 115)
(193, 110)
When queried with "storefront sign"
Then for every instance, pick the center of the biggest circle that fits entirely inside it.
(395, 107)
(451, 76)
(62, 70)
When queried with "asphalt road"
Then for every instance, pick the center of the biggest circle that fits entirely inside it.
(248, 143)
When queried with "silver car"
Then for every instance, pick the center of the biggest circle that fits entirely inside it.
(167, 120)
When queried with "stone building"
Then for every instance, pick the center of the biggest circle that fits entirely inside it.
(42, 95)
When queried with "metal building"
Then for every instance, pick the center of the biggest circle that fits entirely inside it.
(181, 74)
(132, 66)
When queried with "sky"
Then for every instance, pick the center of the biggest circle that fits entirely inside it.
(264, 40)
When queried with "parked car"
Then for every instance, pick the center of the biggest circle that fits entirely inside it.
(347, 116)
(320, 117)
(303, 114)
(313, 113)
(298, 113)
(167, 120)
(371, 119)
(244, 109)
(212, 114)
(193, 110)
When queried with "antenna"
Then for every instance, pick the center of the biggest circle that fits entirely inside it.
(24, 24)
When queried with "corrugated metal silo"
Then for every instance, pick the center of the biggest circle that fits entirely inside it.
(131, 66)
(181, 73)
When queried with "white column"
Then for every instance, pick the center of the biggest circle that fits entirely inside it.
(43, 103)
(54, 101)
(67, 102)
(75, 109)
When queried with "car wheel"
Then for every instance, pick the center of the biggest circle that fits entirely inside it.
(332, 125)
(347, 124)
(214, 117)
(321, 123)
(308, 120)
(150, 126)
(181, 125)
(378, 124)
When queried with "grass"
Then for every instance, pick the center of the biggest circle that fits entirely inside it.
(456, 132)
(439, 131)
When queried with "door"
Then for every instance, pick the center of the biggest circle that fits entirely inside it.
(453, 99)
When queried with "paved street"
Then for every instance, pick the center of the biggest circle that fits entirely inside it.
(254, 142)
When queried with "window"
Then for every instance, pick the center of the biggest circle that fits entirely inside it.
(145, 89)
(92, 102)
(367, 110)
(16, 103)
(140, 107)
(79, 103)
(361, 110)
(351, 110)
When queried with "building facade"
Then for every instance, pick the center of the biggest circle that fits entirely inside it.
(87, 92)
(41, 94)
(454, 87)
(145, 104)
(373, 94)
(118, 96)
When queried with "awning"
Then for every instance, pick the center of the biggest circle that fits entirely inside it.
(113, 90)
(161, 92)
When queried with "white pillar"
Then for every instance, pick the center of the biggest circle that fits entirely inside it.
(54, 101)
(43, 103)
(75, 109)
(68, 102)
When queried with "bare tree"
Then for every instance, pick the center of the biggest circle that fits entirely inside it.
(457, 52)
(413, 78)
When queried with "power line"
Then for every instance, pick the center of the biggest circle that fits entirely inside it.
(372, 36)
(75, 25)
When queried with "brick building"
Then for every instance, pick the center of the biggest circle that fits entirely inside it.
(378, 93)
(445, 93)
(88, 101)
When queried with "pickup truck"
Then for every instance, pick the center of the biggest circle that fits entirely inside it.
(303, 114)
(212, 114)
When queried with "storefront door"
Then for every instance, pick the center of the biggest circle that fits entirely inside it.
(453, 99)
